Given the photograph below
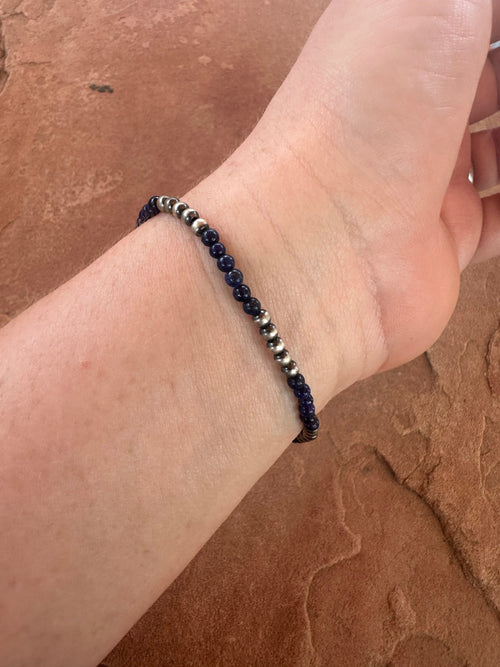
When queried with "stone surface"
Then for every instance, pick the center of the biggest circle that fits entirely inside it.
(377, 544)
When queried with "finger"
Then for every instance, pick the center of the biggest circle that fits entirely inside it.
(484, 160)
(461, 210)
(495, 28)
(489, 241)
(486, 100)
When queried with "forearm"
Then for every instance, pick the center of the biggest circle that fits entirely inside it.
(139, 405)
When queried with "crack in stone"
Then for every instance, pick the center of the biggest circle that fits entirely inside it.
(448, 538)
(355, 550)
(4, 74)
(437, 377)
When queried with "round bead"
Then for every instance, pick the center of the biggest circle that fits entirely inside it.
(269, 332)
(290, 370)
(153, 206)
(299, 380)
(251, 306)
(303, 391)
(209, 237)
(283, 358)
(199, 226)
(178, 207)
(225, 263)
(161, 203)
(262, 318)
(306, 400)
(276, 345)
(311, 423)
(234, 278)
(170, 202)
(217, 249)
(242, 293)
(189, 215)
(307, 409)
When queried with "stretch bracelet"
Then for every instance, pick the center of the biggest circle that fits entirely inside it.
(251, 305)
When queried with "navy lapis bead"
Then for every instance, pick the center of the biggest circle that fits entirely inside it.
(306, 400)
(152, 205)
(311, 423)
(242, 293)
(209, 237)
(217, 249)
(234, 278)
(225, 263)
(297, 381)
(306, 409)
(251, 306)
(302, 392)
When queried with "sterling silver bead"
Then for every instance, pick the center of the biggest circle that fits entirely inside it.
(170, 202)
(179, 207)
(199, 226)
(188, 212)
(283, 358)
(269, 332)
(262, 318)
(291, 369)
(276, 345)
(161, 203)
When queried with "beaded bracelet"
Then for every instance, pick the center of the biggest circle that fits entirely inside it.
(251, 305)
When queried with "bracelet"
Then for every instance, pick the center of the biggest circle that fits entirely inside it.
(251, 305)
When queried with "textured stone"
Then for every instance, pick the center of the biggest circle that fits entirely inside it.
(376, 544)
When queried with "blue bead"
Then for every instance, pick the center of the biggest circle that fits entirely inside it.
(242, 293)
(311, 423)
(302, 392)
(152, 205)
(217, 249)
(298, 381)
(234, 278)
(306, 409)
(306, 400)
(252, 306)
(209, 237)
(225, 263)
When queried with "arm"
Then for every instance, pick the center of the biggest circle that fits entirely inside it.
(139, 405)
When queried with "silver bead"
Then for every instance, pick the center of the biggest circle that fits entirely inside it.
(269, 332)
(199, 225)
(283, 358)
(161, 202)
(262, 318)
(186, 212)
(291, 370)
(276, 345)
(170, 202)
(179, 207)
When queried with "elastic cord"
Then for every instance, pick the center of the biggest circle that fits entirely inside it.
(251, 306)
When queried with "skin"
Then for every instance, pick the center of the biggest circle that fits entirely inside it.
(138, 404)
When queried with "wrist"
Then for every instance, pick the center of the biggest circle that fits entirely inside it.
(295, 254)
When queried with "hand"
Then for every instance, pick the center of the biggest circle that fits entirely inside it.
(367, 152)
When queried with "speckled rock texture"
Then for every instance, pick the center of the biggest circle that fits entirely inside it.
(379, 543)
